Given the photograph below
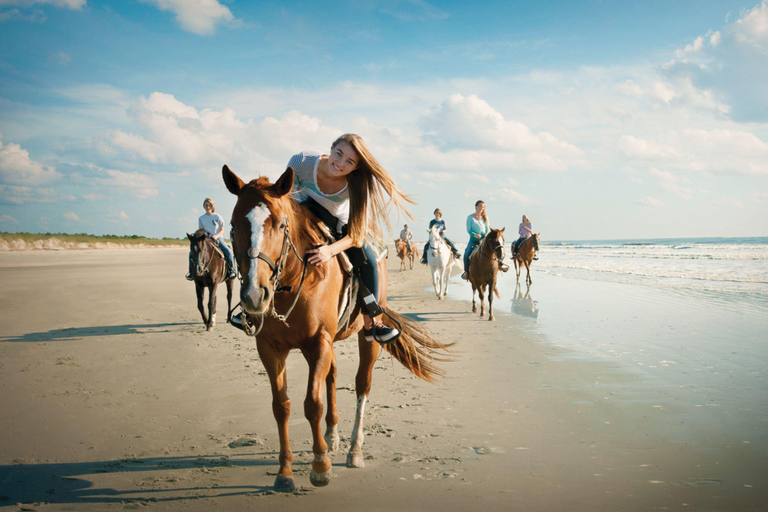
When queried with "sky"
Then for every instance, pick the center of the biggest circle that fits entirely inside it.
(598, 119)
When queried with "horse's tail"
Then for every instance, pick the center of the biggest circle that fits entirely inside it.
(416, 349)
(496, 291)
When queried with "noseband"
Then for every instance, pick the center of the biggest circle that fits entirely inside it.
(495, 253)
(277, 270)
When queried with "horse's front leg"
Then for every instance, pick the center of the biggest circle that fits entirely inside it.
(436, 281)
(447, 277)
(481, 295)
(319, 359)
(474, 303)
(200, 291)
(332, 416)
(363, 380)
(229, 299)
(491, 287)
(528, 272)
(211, 306)
(274, 364)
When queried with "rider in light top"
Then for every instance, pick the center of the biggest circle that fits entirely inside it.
(407, 237)
(438, 221)
(525, 231)
(346, 190)
(214, 225)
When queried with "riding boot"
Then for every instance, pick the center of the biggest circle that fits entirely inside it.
(424, 254)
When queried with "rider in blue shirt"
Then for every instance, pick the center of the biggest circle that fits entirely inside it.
(438, 221)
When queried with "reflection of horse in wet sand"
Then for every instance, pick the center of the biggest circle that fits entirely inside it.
(524, 255)
(483, 269)
(524, 305)
(403, 253)
(210, 269)
(271, 233)
(440, 259)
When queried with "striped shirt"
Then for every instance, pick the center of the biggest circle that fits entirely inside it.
(304, 166)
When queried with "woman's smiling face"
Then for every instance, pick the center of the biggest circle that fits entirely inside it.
(342, 160)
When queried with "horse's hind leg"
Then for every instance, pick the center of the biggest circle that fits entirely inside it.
(474, 303)
(200, 291)
(368, 353)
(332, 416)
(517, 269)
(491, 287)
(274, 364)
(320, 360)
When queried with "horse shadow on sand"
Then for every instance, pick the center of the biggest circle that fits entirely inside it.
(144, 480)
(76, 333)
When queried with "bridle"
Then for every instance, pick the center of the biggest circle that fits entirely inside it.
(205, 263)
(439, 242)
(277, 272)
(495, 253)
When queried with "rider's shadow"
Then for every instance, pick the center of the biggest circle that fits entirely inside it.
(524, 305)
(70, 483)
(75, 333)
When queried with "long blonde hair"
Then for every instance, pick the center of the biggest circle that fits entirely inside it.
(484, 215)
(368, 206)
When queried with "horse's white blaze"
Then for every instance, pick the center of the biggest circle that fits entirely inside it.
(257, 217)
(357, 432)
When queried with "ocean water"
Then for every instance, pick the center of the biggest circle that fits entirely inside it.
(686, 320)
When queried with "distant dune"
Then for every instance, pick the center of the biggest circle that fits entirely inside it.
(60, 242)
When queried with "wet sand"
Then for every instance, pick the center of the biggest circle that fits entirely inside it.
(114, 396)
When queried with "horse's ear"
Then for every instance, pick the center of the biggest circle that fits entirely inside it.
(502, 229)
(284, 183)
(233, 183)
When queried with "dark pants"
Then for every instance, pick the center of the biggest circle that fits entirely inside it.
(471, 245)
(362, 258)
(447, 240)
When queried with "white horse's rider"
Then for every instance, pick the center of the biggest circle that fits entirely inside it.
(438, 221)
(407, 237)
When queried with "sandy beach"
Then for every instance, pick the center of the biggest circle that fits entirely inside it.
(114, 396)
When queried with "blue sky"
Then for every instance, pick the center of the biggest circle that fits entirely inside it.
(601, 119)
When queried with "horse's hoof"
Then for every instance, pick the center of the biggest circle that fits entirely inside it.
(209, 328)
(333, 441)
(284, 484)
(320, 479)
(355, 460)
(491, 318)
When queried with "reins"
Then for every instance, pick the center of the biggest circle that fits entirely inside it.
(493, 256)
(275, 278)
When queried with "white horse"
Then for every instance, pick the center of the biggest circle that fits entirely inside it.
(440, 259)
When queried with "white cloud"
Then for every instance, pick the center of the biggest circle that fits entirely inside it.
(468, 128)
(729, 66)
(673, 184)
(71, 216)
(7, 219)
(649, 201)
(20, 195)
(197, 16)
(138, 185)
(123, 215)
(18, 169)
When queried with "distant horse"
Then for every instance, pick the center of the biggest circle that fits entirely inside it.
(483, 269)
(524, 255)
(296, 306)
(210, 270)
(440, 259)
(402, 253)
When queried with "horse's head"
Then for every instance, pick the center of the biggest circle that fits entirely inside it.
(201, 252)
(259, 231)
(536, 241)
(435, 240)
(496, 238)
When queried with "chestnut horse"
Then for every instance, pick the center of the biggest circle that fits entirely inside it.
(402, 252)
(483, 269)
(210, 269)
(524, 255)
(270, 232)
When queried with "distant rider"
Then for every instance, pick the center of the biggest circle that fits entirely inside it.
(525, 231)
(214, 225)
(438, 221)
